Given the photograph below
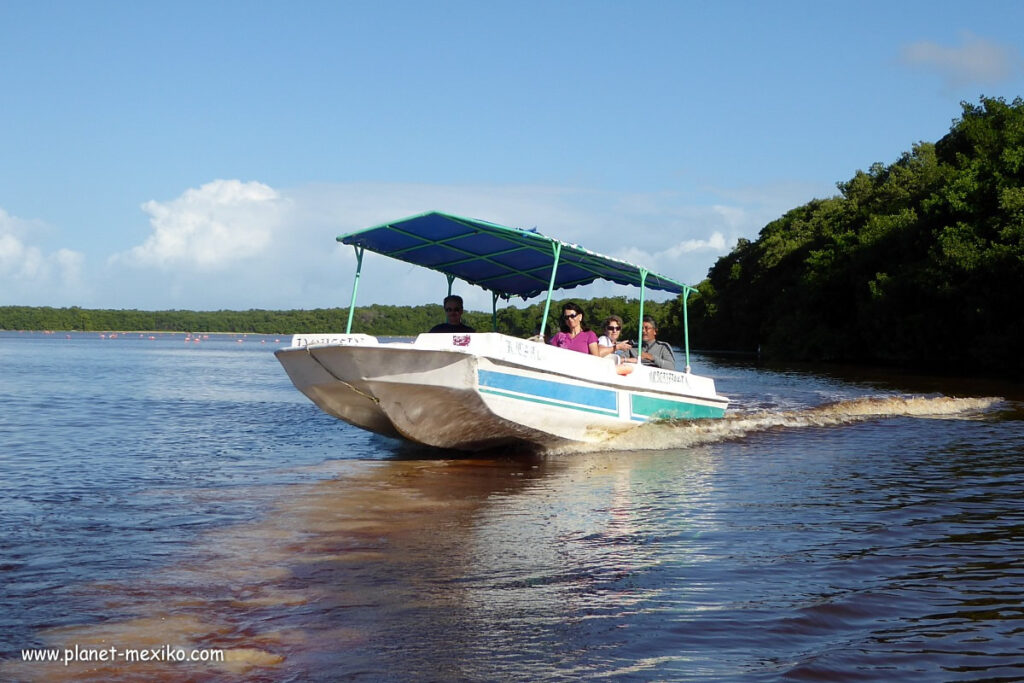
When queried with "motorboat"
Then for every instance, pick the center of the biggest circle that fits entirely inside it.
(474, 391)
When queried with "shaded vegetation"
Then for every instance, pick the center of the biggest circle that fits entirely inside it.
(920, 262)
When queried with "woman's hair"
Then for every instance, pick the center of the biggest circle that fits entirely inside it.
(575, 307)
(612, 319)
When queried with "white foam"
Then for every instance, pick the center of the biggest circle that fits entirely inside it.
(686, 433)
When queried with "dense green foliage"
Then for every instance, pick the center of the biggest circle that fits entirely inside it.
(919, 262)
(375, 319)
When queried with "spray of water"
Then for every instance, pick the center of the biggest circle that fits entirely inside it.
(666, 434)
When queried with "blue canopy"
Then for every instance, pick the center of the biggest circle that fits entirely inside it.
(506, 261)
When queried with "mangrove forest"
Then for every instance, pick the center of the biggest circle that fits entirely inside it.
(917, 263)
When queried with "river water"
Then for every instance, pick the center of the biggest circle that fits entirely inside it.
(163, 492)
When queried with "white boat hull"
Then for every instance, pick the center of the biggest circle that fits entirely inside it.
(477, 391)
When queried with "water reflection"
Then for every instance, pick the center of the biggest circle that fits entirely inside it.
(822, 534)
(430, 568)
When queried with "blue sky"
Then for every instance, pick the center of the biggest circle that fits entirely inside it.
(204, 155)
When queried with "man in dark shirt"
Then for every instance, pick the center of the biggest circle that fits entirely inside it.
(452, 311)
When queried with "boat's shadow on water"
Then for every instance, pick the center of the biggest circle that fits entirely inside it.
(401, 451)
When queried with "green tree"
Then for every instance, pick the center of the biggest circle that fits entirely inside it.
(920, 261)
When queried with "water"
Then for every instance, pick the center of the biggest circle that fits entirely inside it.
(158, 492)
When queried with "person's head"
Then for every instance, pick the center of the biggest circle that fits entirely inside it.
(613, 327)
(453, 309)
(650, 329)
(572, 316)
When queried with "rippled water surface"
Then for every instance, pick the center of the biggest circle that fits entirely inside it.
(834, 527)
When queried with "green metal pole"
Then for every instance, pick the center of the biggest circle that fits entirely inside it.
(451, 279)
(551, 285)
(686, 327)
(355, 288)
(640, 323)
(494, 311)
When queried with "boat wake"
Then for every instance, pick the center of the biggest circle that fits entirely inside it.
(665, 434)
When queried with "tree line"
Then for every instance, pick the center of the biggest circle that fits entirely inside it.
(919, 262)
(376, 319)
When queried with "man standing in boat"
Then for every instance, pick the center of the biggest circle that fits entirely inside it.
(656, 353)
(453, 312)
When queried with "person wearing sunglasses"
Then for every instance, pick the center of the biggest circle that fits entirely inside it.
(453, 313)
(654, 352)
(609, 343)
(575, 335)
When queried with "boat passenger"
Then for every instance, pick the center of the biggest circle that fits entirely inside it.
(609, 343)
(453, 312)
(656, 353)
(575, 334)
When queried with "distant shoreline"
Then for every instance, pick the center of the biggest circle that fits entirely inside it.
(375, 319)
(150, 332)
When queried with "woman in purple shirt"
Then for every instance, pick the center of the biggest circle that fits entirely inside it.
(575, 335)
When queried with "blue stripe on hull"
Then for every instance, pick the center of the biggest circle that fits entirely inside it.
(548, 392)
(588, 399)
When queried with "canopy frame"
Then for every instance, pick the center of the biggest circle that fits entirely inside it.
(504, 261)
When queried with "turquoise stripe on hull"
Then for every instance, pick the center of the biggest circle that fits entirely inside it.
(645, 408)
(547, 392)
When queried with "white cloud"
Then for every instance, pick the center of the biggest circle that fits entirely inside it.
(687, 260)
(70, 265)
(236, 245)
(715, 243)
(975, 61)
(210, 228)
(18, 260)
(29, 275)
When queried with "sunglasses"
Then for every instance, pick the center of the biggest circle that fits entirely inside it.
(613, 328)
(571, 316)
(452, 310)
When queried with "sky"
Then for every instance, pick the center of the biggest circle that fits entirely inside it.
(205, 155)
